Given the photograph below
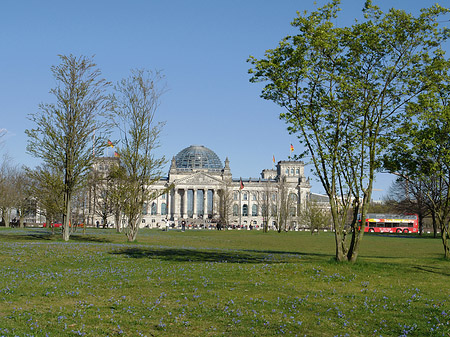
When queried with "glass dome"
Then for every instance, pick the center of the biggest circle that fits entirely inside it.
(197, 157)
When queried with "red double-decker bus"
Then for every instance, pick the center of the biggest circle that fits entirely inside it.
(392, 223)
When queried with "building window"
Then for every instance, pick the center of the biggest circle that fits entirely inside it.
(235, 210)
(292, 211)
(154, 209)
(297, 172)
(274, 210)
(163, 209)
(144, 209)
(292, 172)
(143, 220)
(287, 172)
(163, 197)
(254, 196)
(245, 210)
(244, 196)
(235, 195)
(274, 196)
(254, 210)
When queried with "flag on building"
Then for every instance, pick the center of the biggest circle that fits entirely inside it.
(292, 148)
(116, 154)
(273, 159)
(110, 144)
(241, 187)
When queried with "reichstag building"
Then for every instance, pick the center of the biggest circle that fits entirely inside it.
(198, 176)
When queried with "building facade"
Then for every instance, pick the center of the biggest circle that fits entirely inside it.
(199, 181)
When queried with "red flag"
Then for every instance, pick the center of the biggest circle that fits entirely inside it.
(241, 187)
(116, 154)
(274, 159)
(292, 148)
(110, 144)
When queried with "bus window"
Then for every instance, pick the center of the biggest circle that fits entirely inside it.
(387, 225)
(410, 224)
(372, 224)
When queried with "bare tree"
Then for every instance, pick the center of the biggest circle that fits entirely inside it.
(225, 204)
(315, 216)
(135, 108)
(69, 133)
(266, 206)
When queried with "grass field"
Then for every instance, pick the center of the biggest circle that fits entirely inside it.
(210, 283)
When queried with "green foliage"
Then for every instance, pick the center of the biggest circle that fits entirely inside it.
(421, 152)
(343, 90)
(68, 133)
(209, 283)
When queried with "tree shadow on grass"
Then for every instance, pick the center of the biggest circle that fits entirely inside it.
(218, 256)
(46, 235)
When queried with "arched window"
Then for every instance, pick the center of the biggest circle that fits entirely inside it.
(245, 210)
(235, 210)
(254, 210)
(154, 209)
(292, 211)
(292, 197)
(264, 210)
(274, 210)
(163, 209)
(144, 209)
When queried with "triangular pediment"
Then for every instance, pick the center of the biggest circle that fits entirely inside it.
(198, 178)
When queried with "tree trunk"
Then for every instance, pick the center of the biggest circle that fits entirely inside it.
(433, 217)
(117, 220)
(445, 236)
(66, 224)
(341, 255)
(132, 231)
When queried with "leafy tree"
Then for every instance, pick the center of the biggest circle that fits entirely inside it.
(136, 104)
(422, 152)
(70, 132)
(47, 187)
(344, 90)
(8, 197)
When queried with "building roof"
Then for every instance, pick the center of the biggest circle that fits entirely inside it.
(197, 157)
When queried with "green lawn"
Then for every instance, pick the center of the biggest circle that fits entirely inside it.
(228, 283)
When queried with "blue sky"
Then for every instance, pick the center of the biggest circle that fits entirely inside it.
(200, 46)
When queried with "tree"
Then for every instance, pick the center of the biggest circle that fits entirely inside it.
(47, 187)
(8, 197)
(343, 90)
(225, 204)
(422, 152)
(315, 216)
(135, 109)
(266, 205)
(410, 197)
(70, 132)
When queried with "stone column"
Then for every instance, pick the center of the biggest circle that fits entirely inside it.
(176, 204)
(194, 203)
(205, 203)
(183, 208)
